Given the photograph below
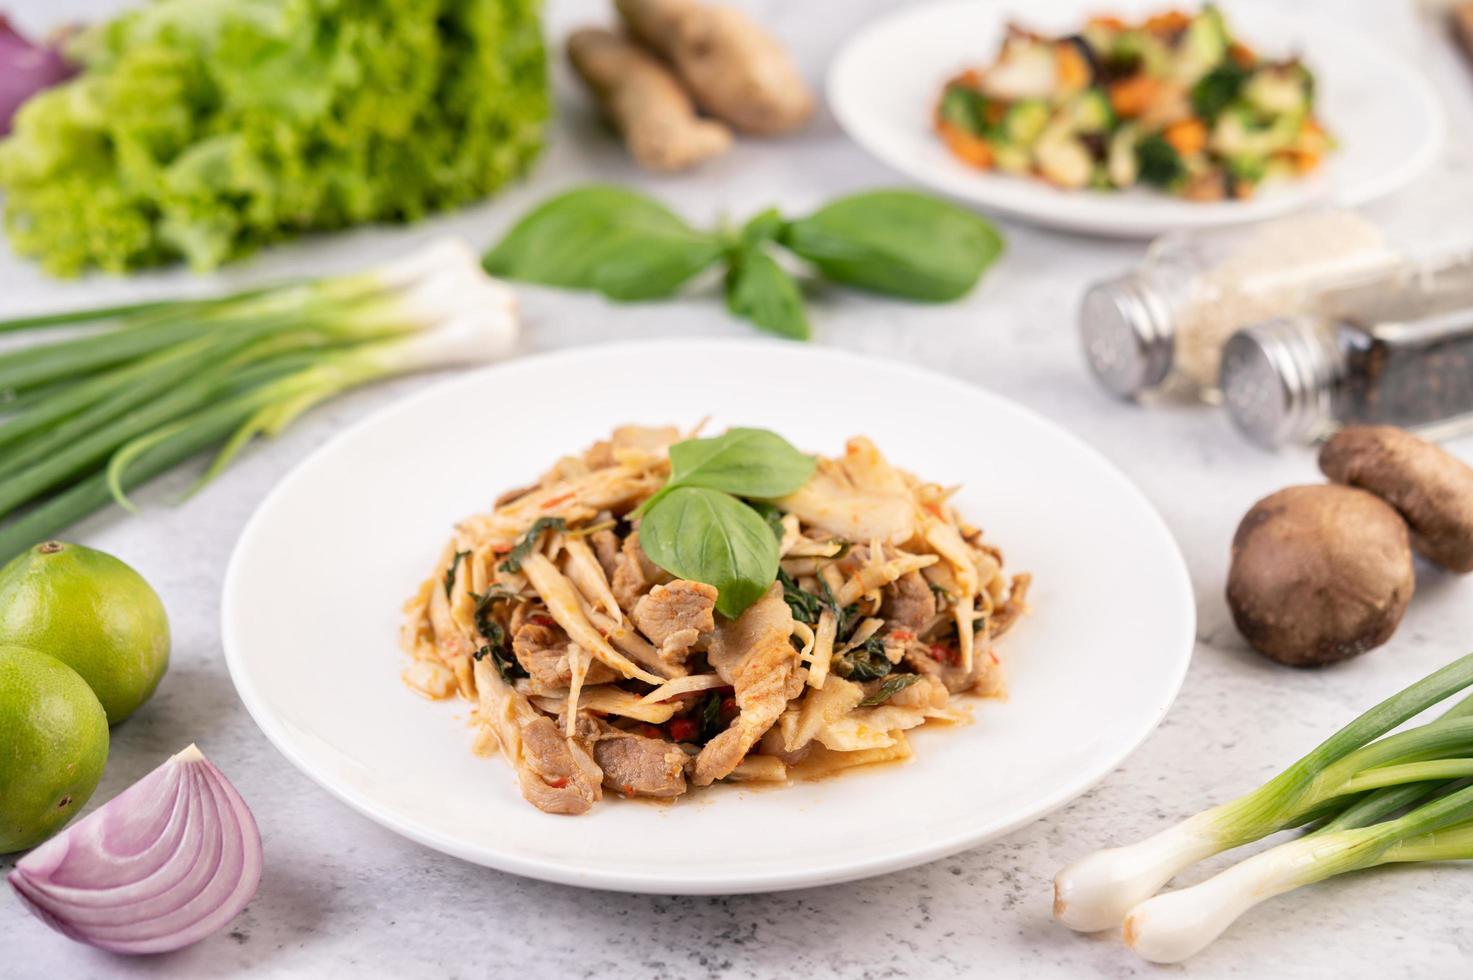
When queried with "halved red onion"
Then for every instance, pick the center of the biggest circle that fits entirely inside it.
(25, 69)
(165, 863)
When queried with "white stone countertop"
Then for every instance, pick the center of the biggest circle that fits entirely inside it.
(342, 896)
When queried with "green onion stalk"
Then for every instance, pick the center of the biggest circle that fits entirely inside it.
(92, 416)
(1354, 778)
(1171, 927)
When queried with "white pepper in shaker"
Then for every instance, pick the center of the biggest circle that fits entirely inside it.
(1164, 324)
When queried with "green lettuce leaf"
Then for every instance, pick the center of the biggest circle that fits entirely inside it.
(202, 129)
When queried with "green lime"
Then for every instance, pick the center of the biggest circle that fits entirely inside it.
(94, 614)
(53, 745)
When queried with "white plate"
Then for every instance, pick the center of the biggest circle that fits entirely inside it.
(884, 83)
(313, 591)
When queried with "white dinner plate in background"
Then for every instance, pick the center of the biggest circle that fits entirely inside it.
(312, 603)
(884, 83)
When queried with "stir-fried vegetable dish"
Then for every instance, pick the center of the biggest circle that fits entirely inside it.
(854, 602)
(1175, 102)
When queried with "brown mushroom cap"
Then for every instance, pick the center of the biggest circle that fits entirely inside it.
(1431, 488)
(1319, 573)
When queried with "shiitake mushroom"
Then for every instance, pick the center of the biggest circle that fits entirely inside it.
(1319, 574)
(1428, 486)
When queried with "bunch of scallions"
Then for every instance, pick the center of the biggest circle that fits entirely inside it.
(136, 390)
(1361, 798)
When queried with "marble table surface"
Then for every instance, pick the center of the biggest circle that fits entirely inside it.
(344, 897)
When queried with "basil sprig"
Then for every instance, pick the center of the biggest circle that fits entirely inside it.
(608, 239)
(698, 527)
(891, 686)
(755, 463)
(712, 537)
(897, 242)
(760, 290)
(615, 241)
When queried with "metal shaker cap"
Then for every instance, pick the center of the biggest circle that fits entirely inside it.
(1128, 334)
(1278, 378)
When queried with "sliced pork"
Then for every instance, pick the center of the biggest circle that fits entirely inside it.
(909, 603)
(754, 655)
(634, 574)
(675, 616)
(557, 775)
(542, 650)
(638, 766)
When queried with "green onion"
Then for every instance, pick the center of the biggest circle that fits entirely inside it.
(1098, 891)
(71, 318)
(1171, 927)
(151, 384)
(86, 496)
(68, 401)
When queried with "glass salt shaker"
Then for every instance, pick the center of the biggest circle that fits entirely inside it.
(1161, 327)
(1396, 350)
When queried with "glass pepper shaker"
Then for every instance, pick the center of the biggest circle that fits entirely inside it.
(1392, 351)
(1162, 326)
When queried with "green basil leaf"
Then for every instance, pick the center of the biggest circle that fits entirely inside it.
(710, 715)
(764, 227)
(604, 238)
(770, 513)
(745, 462)
(897, 242)
(518, 554)
(760, 290)
(888, 688)
(712, 537)
(805, 606)
(460, 556)
(866, 662)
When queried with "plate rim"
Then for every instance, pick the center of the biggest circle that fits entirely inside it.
(994, 200)
(556, 872)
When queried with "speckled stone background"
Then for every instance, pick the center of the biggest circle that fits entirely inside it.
(342, 897)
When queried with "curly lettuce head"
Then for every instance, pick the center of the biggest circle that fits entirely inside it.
(202, 129)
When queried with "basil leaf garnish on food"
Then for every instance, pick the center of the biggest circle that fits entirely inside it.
(460, 556)
(486, 607)
(865, 662)
(760, 290)
(888, 688)
(502, 657)
(517, 555)
(754, 463)
(772, 514)
(605, 238)
(498, 645)
(897, 242)
(805, 606)
(696, 528)
(709, 536)
(710, 715)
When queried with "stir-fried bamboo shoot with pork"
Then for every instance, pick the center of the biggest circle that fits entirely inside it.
(593, 667)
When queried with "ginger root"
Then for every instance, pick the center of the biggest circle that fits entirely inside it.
(645, 102)
(736, 70)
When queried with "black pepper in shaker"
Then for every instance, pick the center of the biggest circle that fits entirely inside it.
(1295, 379)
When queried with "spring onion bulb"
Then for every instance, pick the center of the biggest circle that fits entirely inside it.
(167, 862)
(143, 387)
(1345, 772)
(1171, 927)
(1096, 892)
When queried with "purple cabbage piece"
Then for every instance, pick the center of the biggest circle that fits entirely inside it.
(25, 69)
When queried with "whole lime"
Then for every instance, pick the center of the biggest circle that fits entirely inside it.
(53, 745)
(93, 613)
